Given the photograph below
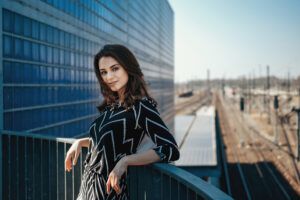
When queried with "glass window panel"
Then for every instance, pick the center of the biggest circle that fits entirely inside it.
(55, 3)
(35, 29)
(8, 97)
(55, 36)
(76, 43)
(8, 46)
(80, 44)
(43, 74)
(49, 34)
(27, 74)
(35, 52)
(27, 50)
(18, 24)
(72, 40)
(27, 27)
(55, 74)
(77, 11)
(42, 32)
(35, 74)
(43, 53)
(18, 48)
(67, 6)
(8, 21)
(50, 75)
(61, 76)
(49, 54)
(55, 56)
(43, 94)
(67, 58)
(71, 8)
(80, 12)
(72, 59)
(61, 57)
(77, 59)
(8, 121)
(72, 76)
(61, 38)
(67, 40)
(18, 68)
(81, 60)
(7, 72)
(66, 78)
(61, 5)
(35, 113)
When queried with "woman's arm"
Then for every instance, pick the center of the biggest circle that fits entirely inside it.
(142, 158)
(84, 142)
(74, 151)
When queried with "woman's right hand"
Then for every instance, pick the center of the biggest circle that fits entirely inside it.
(73, 151)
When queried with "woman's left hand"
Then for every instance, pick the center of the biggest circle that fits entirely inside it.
(115, 176)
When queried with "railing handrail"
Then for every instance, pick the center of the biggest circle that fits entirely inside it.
(39, 136)
(190, 181)
(201, 187)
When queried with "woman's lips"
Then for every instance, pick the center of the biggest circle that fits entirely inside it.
(113, 83)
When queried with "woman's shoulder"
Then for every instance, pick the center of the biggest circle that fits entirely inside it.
(147, 101)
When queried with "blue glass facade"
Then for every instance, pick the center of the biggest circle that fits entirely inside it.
(48, 84)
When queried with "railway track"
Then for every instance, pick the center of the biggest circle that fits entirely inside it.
(192, 104)
(253, 170)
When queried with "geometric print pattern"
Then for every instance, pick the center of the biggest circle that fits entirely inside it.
(117, 133)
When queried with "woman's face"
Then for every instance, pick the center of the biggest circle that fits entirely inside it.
(113, 74)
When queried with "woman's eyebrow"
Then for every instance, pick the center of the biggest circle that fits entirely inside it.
(110, 66)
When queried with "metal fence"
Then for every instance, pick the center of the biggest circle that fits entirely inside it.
(33, 168)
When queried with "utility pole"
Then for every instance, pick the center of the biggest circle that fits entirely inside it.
(276, 105)
(268, 96)
(249, 93)
(288, 85)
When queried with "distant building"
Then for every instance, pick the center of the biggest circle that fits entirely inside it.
(48, 84)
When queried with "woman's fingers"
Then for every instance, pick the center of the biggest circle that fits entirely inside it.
(116, 185)
(113, 182)
(108, 185)
(68, 163)
(75, 158)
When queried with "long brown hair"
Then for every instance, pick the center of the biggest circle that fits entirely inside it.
(136, 87)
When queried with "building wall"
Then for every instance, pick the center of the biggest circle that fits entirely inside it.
(48, 83)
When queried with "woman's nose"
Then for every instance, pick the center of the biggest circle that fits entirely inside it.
(109, 75)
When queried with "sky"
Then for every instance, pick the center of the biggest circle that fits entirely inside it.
(235, 38)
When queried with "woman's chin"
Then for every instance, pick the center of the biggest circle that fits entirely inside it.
(114, 89)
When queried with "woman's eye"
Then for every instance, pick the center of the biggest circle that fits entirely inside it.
(115, 69)
(103, 72)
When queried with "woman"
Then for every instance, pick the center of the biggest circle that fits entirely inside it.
(127, 115)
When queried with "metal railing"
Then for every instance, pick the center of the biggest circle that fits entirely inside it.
(32, 167)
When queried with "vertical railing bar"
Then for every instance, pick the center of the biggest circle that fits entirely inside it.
(161, 186)
(170, 187)
(187, 193)
(25, 166)
(17, 167)
(65, 174)
(73, 180)
(42, 164)
(9, 166)
(49, 171)
(178, 191)
(57, 184)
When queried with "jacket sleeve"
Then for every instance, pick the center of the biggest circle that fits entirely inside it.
(149, 119)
